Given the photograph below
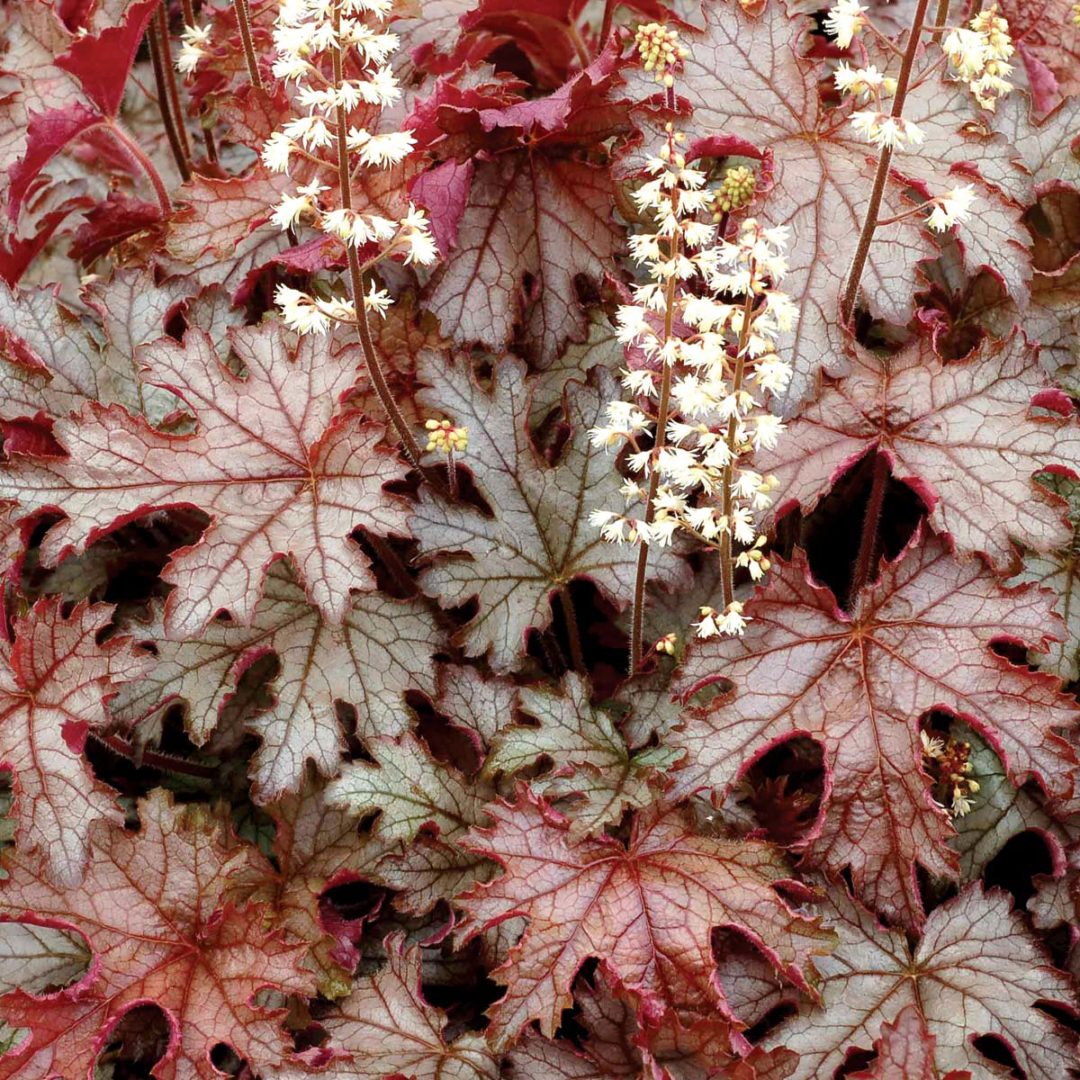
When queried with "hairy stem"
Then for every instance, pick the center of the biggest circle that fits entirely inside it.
(208, 136)
(868, 542)
(183, 164)
(605, 24)
(356, 277)
(727, 563)
(573, 633)
(866, 236)
(161, 15)
(152, 759)
(147, 166)
(243, 18)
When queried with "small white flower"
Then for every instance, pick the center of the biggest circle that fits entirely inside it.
(379, 151)
(951, 208)
(291, 208)
(420, 244)
(377, 300)
(858, 81)
(300, 311)
(884, 130)
(967, 52)
(767, 431)
(310, 131)
(844, 21)
(276, 151)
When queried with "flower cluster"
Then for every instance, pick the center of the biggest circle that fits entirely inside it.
(978, 55)
(193, 49)
(871, 87)
(735, 191)
(317, 42)
(444, 437)
(949, 764)
(659, 50)
(700, 340)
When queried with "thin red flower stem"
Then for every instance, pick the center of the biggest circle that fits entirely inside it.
(183, 165)
(866, 236)
(208, 135)
(637, 616)
(356, 277)
(161, 15)
(243, 18)
(727, 564)
(864, 561)
(147, 166)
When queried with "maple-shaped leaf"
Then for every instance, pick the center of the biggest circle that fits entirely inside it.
(1047, 147)
(592, 763)
(905, 1051)
(965, 436)
(385, 1029)
(54, 362)
(468, 700)
(538, 537)
(316, 847)
(1059, 571)
(102, 62)
(436, 867)
(33, 36)
(151, 911)
(535, 218)
(1057, 896)
(217, 214)
(961, 311)
(646, 910)
(280, 470)
(858, 685)
(378, 652)
(975, 971)
(532, 217)
(745, 78)
(409, 788)
(110, 223)
(601, 347)
(55, 681)
(634, 1039)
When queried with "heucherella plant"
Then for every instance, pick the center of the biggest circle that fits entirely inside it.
(685, 682)
(335, 54)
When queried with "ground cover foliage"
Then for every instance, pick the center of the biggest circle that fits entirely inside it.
(539, 539)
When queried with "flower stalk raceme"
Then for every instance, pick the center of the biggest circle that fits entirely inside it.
(335, 52)
(700, 338)
(976, 54)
